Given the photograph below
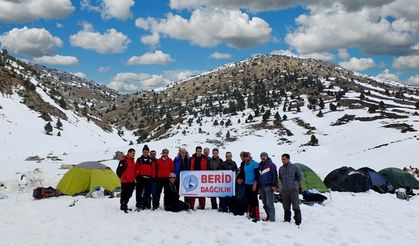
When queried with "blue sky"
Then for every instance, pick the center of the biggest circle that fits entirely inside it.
(132, 45)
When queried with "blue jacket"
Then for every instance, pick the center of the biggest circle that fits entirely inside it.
(180, 166)
(268, 174)
(290, 176)
(251, 172)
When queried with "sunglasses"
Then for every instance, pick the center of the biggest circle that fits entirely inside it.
(172, 177)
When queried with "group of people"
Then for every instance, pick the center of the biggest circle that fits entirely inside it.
(150, 175)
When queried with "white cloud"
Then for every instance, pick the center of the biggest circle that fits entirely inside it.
(343, 54)
(179, 75)
(132, 82)
(413, 80)
(407, 62)
(283, 53)
(388, 76)
(80, 74)
(252, 5)
(349, 6)
(334, 27)
(323, 56)
(209, 28)
(218, 55)
(103, 69)
(110, 41)
(59, 25)
(266, 5)
(358, 64)
(108, 9)
(151, 40)
(30, 41)
(28, 10)
(156, 57)
(57, 60)
(401, 9)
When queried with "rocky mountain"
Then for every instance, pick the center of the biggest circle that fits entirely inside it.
(265, 84)
(272, 93)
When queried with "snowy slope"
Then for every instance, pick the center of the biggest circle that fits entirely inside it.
(23, 134)
(348, 219)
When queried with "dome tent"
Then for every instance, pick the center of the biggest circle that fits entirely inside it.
(346, 179)
(399, 178)
(310, 179)
(84, 177)
(376, 181)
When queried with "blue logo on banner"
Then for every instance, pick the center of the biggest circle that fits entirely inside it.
(190, 183)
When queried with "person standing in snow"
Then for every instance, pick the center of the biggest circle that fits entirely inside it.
(214, 164)
(206, 153)
(145, 168)
(226, 203)
(198, 162)
(126, 172)
(251, 174)
(181, 163)
(153, 156)
(171, 196)
(163, 169)
(240, 200)
(268, 182)
(290, 176)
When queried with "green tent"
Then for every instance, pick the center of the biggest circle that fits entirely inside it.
(399, 178)
(310, 179)
(86, 176)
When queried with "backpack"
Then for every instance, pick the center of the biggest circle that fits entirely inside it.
(42, 192)
(313, 197)
(122, 165)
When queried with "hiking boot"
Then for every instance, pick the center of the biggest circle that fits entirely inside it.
(137, 209)
(297, 217)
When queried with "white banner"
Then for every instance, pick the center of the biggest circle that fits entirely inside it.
(207, 183)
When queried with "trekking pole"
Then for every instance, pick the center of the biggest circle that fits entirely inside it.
(330, 194)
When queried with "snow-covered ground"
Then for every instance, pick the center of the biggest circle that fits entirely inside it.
(347, 219)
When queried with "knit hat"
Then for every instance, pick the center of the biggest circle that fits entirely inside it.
(263, 154)
(146, 148)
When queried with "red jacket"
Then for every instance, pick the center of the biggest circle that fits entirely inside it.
(145, 166)
(204, 163)
(129, 173)
(164, 168)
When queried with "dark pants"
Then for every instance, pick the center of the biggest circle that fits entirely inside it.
(191, 202)
(267, 195)
(252, 202)
(126, 193)
(226, 204)
(177, 207)
(290, 197)
(214, 204)
(239, 208)
(157, 189)
(143, 192)
(239, 202)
